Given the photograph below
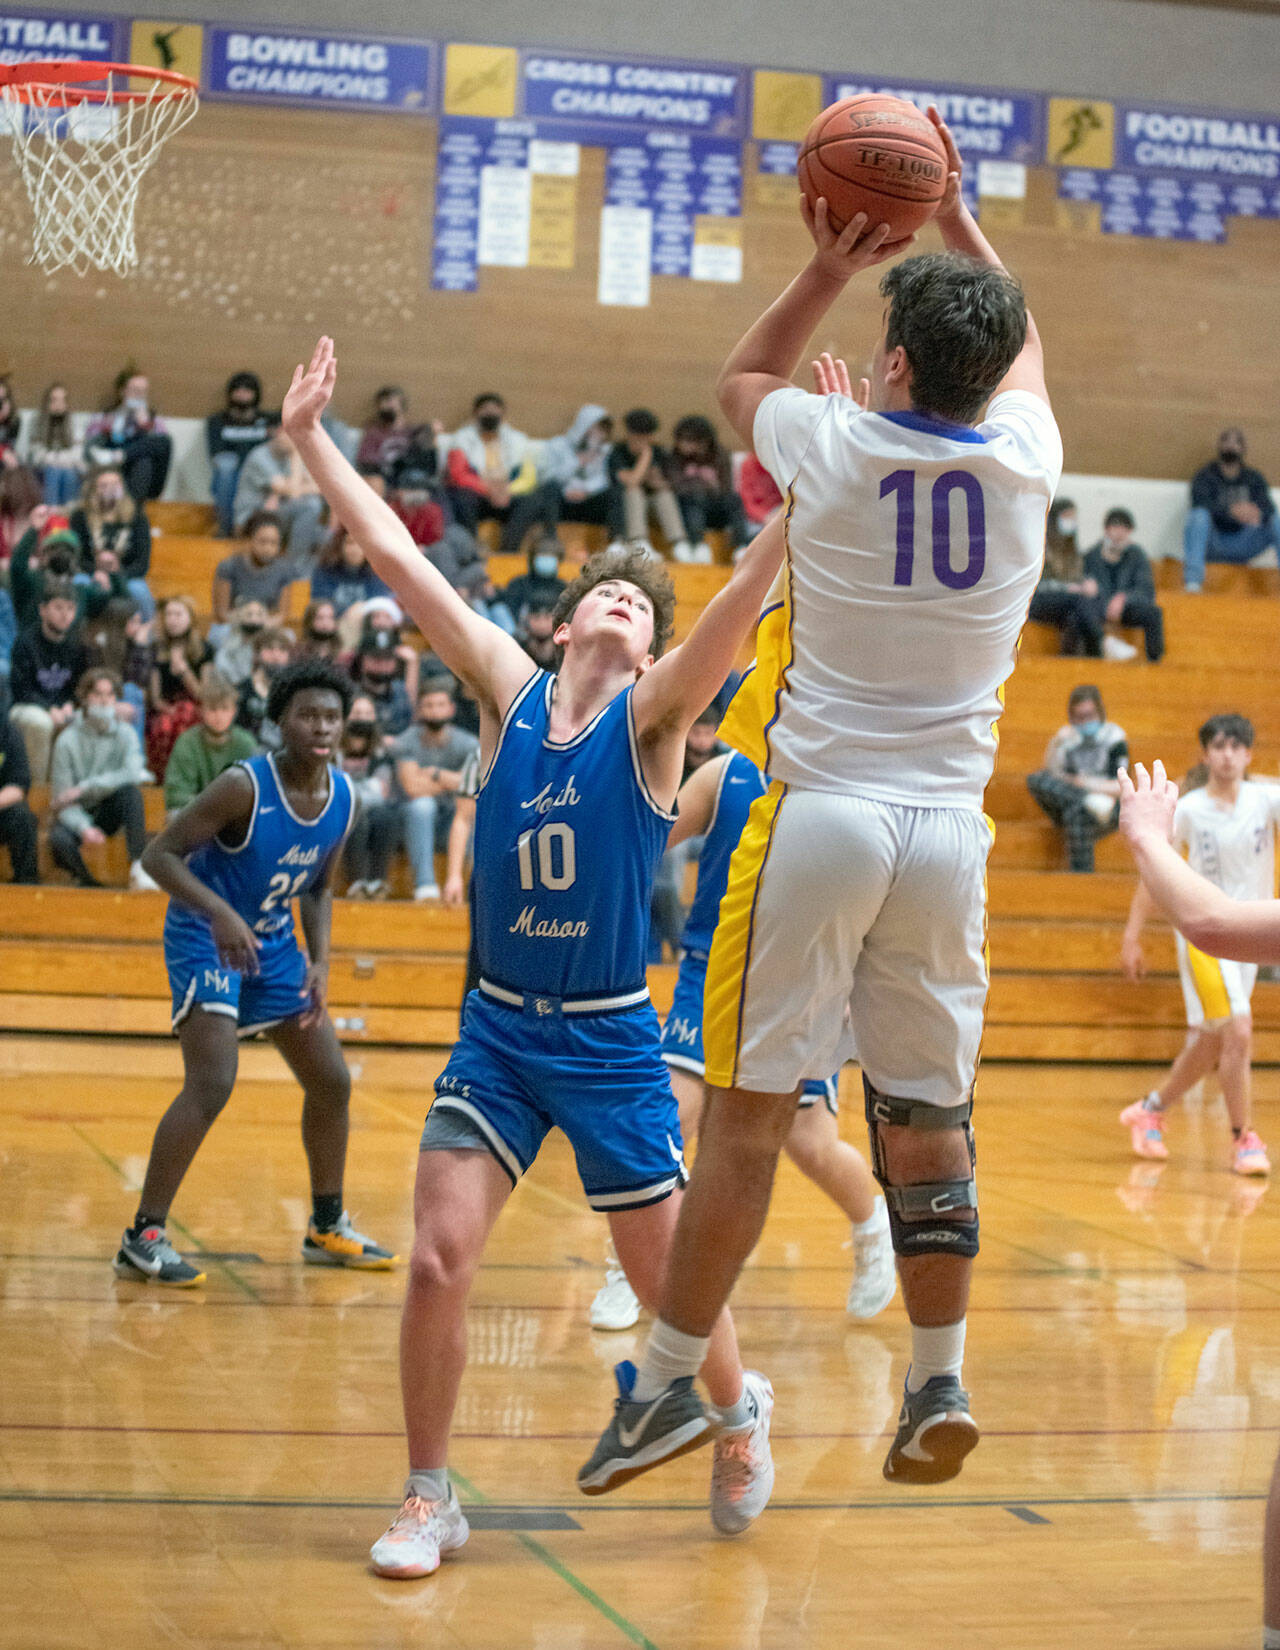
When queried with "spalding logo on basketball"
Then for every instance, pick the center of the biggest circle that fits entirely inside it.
(878, 155)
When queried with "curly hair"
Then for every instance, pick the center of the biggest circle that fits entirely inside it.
(630, 566)
(308, 673)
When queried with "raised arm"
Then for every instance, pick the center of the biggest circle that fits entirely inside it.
(696, 802)
(493, 666)
(960, 233)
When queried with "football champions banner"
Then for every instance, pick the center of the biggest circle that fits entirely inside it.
(347, 71)
(43, 37)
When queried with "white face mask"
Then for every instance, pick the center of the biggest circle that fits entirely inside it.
(1067, 526)
(101, 717)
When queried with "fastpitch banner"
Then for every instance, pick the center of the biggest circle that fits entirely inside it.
(986, 122)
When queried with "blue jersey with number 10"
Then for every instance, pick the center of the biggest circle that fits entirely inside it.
(567, 843)
(282, 856)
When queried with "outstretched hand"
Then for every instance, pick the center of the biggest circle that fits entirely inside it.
(952, 201)
(831, 377)
(311, 390)
(1147, 804)
(859, 245)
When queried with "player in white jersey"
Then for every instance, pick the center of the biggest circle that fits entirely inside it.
(1227, 830)
(915, 539)
(1245, 929)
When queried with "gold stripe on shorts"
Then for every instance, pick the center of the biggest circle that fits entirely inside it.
(1211, 988)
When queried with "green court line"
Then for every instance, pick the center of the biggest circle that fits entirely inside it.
(588, 1594)
(192, 1240)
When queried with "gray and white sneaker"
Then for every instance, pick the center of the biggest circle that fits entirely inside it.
(644, 1435)
(935, 1433)
(148, 1257)
(742, 1468)
(419, 1536)
(875, 1276)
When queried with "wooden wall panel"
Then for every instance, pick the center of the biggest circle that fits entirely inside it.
(260, 228)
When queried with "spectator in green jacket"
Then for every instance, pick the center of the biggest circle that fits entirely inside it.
(201, 753)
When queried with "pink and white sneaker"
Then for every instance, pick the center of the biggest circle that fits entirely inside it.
(1145, 1123)
(418, 1537)
(1250, 1155)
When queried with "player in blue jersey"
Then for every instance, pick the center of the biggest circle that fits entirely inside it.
(581, 771)
(267, 832)
(713, 804)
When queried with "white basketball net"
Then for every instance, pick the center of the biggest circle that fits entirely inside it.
(82, 162)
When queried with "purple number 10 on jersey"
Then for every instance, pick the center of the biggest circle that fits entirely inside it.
(903, 483)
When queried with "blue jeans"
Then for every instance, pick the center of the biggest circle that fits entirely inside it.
(1202, 541)
(141, 593)
(420, 814)
(226, 472)
(61, 484)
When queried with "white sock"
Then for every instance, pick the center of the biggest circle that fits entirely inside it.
(877, 1221)
(935, 1351)
(431, 1483)
(668, 1356)
(1271, 1638)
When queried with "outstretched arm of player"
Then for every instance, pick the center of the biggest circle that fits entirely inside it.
(960, 233)
(1242, 930)
(696, 801)
(226, 805)
(766, 357)
(493, 665)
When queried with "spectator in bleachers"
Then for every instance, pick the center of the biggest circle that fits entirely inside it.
(1064, 597)
(413, 500)
(376, 830)
(541, 586)
(1232, 516)
(181, 654)
(107, 518)
(273, 479)
(385, 440)
(215, 742)
(122, 638)
(54, 453)
(1078, 786)
(234, 656)
(20, 502)
(430, 757)
(490, 475)
(1126, 586)
(537, 637)
(18, 831)
(343, 576)
(576, 464)
(230, 436)
(49, 658)
(318, 634)
(8, 636)
(702, 480)
(272, 651)
(130, 436)
(96, 781)
(49, 549)
(10, 424)
(379, 673)
(259, 572)
(759, 493)
(641, 469)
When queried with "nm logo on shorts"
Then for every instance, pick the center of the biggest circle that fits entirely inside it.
(682, 1031)
(216, 980)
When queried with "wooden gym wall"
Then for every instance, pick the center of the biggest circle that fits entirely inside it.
(261, 228)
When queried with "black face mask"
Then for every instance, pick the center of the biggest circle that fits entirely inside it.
(1229, 455)
(386, 415)
(489, 422)
(251, 627)
(322, 635)
(434, 724)
(362, 730)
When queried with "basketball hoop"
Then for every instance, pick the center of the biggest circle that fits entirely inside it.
(84, 138)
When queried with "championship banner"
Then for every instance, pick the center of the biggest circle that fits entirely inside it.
(987, 123)
(1208, 143)
(1154, 207)
(592, 99)
(256, 65)
(38, 37)
(691, 187)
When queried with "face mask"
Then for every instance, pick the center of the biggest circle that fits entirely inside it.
(1229, 455)
(134, 405)
(322, 635)
(1067, 526)
(362, 730)
(251, 627)
(269, 671)
(386, 415)
(434, 724)
(1090, 729)
(489, 422)
(546, 567)
(101, 717)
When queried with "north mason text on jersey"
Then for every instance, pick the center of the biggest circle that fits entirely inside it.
(547, 928)
(545, 801)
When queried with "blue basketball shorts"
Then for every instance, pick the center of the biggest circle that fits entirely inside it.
(682, 1034)
(600, 1078)
(198, 979)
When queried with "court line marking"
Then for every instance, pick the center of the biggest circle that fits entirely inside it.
(192, 1240)
(588, 1594)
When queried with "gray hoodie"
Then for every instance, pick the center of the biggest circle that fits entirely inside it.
(566, 466)
(97, 762)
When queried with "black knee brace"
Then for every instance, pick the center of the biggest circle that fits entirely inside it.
(914, 1210)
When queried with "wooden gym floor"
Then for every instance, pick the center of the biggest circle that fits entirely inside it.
(208, 1469)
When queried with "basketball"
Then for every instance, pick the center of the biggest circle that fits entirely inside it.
(878, 155)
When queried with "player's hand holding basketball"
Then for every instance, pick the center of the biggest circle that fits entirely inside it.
(952, 202)
(1147, 805)
(311, 390)
(236, 942)
(859, 245)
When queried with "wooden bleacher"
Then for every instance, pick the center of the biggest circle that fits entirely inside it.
(73, 961)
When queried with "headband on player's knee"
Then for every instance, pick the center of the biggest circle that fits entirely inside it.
(916, 1213)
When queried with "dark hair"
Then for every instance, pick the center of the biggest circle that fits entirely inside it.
(244, 381)
(94, 674)
(1229, 725)
(1118, 518)
(308, 673)
(20, 492)
(694, 427)
(962, 324)
(710, 718)
(390, 389)
(488, 395)
(263, 518)
(640, 421)
(437, 684)
(1083, 695)
(56, 589)
(271, 636)
(633, 566)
